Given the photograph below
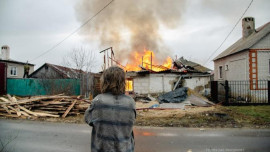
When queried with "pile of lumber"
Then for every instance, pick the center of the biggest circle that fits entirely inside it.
(42, 106)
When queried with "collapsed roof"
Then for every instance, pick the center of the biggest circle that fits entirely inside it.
(182, 64)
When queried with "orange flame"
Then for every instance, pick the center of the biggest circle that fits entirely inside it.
(138, 57)
(129, 85)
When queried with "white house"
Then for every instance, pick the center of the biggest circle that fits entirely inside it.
(248, 58)
(246, 65)
(14, 69)
(187, 73)
(156, 83)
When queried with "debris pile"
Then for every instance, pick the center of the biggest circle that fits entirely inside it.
(184, 65)
(42, 106)
(175, 96)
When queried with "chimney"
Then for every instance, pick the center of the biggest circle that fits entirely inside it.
(5, 52)
(248, 26)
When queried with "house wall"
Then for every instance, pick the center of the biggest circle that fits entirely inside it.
(20, 70)
(263, 57)
(239, 71)
(141, 85)
(162, 83)
(264, 43)
(47, 73)
(263, 65)
(238, 64)
(200, 84)
(238, 67)
(154, 83)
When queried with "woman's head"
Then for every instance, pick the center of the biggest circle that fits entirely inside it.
(113, 80)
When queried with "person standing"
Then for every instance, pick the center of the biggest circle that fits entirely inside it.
(112, 115)
(26, 70)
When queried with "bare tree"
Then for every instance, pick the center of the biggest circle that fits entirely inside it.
(84, 61)
(80, 59)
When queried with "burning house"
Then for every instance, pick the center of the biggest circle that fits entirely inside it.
(148, 77)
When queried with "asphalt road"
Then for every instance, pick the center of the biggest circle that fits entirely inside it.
(33, 136)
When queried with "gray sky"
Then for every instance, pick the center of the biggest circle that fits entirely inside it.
(30, 27)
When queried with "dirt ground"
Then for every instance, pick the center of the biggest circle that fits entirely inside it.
(168, 113)
(214, 116)
(191, 116)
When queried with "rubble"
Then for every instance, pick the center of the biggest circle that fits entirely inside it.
(175, 96)
(198, 101)
(182, 97)
(42, 106)
(175, 105)
(143, 98)
(184, 65)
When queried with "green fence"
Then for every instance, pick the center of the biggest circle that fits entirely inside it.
(31, 87)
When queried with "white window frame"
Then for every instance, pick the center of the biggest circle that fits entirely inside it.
(220, 72)
(269, 66)
(226, 67)
(13, 70)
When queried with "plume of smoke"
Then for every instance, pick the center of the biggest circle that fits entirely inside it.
(130, 25)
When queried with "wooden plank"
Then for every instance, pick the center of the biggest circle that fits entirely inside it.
(8, 115)
(5, 107)
(9, 97)
(24, 113)
(14, 99)
(55, 102)
(16, 110)
(46, 114)
(5, 100)
(38, 99)
(82, 106)
(69, 108)
(49, 112)
(28, 111)
(37, 113)
(53, 109)
(177, 83)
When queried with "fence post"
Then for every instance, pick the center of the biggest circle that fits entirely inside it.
(226, 92)
(214, 91)
(268, 92)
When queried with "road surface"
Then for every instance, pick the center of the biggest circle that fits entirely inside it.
(35, 136)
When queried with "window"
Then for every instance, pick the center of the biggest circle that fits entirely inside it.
(129, 85)
(13, 71)
(220, 72)
(226, 67)
(269, 66)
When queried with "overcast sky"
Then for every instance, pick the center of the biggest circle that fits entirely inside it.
(31, 27)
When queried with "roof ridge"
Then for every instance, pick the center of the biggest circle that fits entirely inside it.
(243, 44)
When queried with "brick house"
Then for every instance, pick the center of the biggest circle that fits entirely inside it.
(248, 58)
(246, 66)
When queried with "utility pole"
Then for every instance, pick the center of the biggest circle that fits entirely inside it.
(106, 57)
(151, 61)
(142, 61)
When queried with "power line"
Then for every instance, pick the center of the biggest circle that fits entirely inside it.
(230, 32)
(75, 31)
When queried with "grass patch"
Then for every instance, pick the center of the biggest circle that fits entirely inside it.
(256, 112)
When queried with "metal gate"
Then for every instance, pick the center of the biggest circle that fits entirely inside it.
(239, 92)
(3, 78)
